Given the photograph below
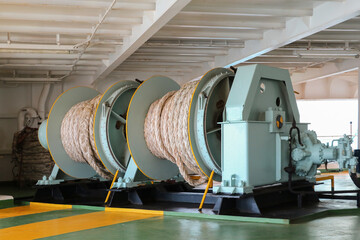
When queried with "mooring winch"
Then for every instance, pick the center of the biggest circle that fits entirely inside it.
(108, 130)
(241, 126)
(238, 127)
(205, 110)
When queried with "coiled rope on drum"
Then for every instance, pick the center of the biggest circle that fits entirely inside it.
(166, 131)
(77, 135)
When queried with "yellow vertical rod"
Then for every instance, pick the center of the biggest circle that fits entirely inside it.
(206, 190)
(112, 184)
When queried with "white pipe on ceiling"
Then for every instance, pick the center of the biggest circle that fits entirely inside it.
(42, 101)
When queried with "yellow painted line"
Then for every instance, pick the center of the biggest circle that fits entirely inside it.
(137, 211)
(50, 205)
(206, 190)
(69, 224)
(26, 210)
(327, 177)
(112, 184)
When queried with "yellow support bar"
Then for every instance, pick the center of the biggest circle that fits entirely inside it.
(210, 183)
(327, 177)
(112, 184)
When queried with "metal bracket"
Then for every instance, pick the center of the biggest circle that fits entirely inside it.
(54, 177)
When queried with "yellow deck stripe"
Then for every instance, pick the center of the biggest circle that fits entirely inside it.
(50, 205)
(26, 210)
(133, 210)
(69, 224)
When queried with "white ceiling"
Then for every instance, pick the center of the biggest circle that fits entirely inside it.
(50, 40)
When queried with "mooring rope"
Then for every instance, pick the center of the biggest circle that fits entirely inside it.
(166, 131)
(77, 135)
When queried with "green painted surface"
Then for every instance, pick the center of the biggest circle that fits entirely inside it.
(330, 170)
(328, 213)
(323, 214)
(13, 204)
(227, 217)
(6, 203)
(200, 226)
(38, 217)
(95, 208)
(170, 227)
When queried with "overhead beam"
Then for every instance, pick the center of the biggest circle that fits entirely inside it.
(24, 80)
(335, 36)
(143, 75)
(228, 21)
(88, 62)
(125, 4)
(207, 33)
(324, 16)
(181, 51)
(241, 10)
(285, 60)
(35, 73)
(158, 71)
(72, 13)
(348, 25)
(165, 10)
(283, 65)
(329, 69)
(31, 38)
(198, 43)
(45, 67)
(154, 69)
(50, 56)
(325, 52)
(13, 28)
(49, 18)
(170, 58)
(162, 64)
(36, 47)
(48, 48)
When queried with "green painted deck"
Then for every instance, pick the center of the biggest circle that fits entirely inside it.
(51, 221)
(80, 223)
(186, 228)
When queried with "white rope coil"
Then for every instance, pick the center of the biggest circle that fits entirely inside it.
(77, 135)
(166, 131)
